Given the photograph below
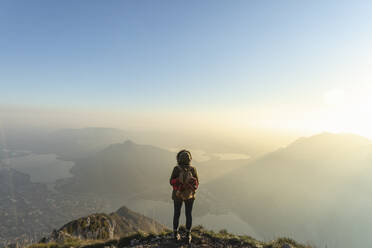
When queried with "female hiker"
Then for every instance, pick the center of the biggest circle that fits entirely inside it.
(185, 182)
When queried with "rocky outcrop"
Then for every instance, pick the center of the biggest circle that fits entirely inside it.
(102, 226)
(95, 226)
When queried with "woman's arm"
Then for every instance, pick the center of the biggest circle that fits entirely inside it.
(196, 175)
(173, 175)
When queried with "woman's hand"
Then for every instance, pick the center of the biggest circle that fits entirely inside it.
(176, 184)
(193, 182)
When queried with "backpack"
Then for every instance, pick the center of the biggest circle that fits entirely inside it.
(186, 191)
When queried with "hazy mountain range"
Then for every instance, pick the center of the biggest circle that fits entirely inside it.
(125, 168)
(72, 143)
(316, 189)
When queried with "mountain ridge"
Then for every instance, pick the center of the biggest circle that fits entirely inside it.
(314, 180)
(102, 226)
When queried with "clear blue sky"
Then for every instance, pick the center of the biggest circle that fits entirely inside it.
(156, 54)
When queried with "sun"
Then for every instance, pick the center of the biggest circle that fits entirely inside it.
(334, 97)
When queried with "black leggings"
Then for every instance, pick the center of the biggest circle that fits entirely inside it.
(177, 212)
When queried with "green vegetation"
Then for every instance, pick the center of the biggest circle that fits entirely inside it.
(70, 242)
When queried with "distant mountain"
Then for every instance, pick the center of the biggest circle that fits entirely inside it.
(102, 226)
(133, 169)
(325, 146)
(317, 188)
(125, 169)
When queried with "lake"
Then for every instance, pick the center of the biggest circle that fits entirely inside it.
(45, 168)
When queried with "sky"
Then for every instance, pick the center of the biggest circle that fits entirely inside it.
(301, 66)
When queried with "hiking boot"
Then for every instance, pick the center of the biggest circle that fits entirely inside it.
(176, 236)
(188, 238)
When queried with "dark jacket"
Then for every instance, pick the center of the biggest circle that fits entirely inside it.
(175, 174)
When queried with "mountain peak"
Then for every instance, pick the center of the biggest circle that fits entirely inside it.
(101, 226)
(129, 142)
(329, 140)
(123, 209)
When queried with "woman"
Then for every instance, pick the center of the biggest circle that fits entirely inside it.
(185, 182)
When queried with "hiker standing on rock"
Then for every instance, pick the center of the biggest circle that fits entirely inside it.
(185, 181)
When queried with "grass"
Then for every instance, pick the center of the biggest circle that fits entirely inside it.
(199, 233)
(71, 242)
